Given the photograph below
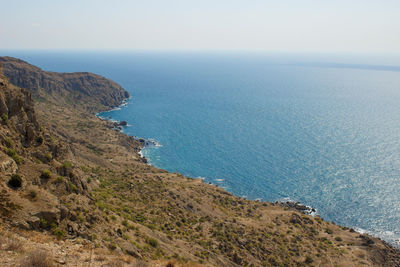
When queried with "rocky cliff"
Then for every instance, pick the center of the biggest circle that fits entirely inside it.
(81, 89)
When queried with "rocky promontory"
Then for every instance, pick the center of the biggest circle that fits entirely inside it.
(81, 89)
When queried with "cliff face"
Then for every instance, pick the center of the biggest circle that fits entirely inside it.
(17, 111)
(83, 89)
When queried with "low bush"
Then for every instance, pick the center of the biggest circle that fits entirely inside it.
(46, 174)
(38, 258)
(32, 194)
(308, 260)
(4, 118)
(9, 142)
(15, 181)
(67, 165)
(60, 234)
(13, 154)
(153, 242)
(59, 180)
(72, 187)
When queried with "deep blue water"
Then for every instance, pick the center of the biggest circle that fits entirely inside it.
(324, 131)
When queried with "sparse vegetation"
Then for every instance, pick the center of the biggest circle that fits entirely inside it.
(59, 180)
(4, 118)
(32, 194)
(9, 142)
(67, 165)
(13, 154)
(15, 245)
(46, 174)
(72, 187)
(60, 234)
(153, 242)
(38, 258)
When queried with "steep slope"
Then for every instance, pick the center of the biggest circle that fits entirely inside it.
(81, 89)
(88, 198)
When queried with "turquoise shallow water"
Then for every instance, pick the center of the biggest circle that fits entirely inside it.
(266, 126)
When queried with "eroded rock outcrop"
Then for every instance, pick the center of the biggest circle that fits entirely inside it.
(86, 90)
(17, 111)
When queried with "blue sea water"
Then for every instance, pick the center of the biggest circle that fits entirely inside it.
(322, 130)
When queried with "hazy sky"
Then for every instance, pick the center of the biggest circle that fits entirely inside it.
(281, 25)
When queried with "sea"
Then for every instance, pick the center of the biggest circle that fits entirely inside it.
(321, 129)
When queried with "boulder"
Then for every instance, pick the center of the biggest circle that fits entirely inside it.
(51, 216)
(34, 222)
(130, 249)
(7, 165)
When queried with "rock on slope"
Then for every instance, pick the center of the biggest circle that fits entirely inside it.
(84, 89)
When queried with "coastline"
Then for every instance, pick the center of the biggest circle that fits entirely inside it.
(283, 202)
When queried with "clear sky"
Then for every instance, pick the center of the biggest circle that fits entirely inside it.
(280, 25)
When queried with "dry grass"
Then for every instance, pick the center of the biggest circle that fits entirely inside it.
(140, 264)
(100, 258)
(15, 245)
(115, 263)
(38, 258)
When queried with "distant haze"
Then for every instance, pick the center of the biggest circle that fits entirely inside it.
(252, 25)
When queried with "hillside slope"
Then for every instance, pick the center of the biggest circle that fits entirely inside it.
(79, 89)
(86, 197)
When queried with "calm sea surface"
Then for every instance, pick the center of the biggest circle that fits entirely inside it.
(324, 131)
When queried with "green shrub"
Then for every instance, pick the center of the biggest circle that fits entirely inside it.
(43, 223)
(328, 231)
(153, 242)
(60, 234)
(112, 246)
(67, 165)
(9, 142)
(46, 174)
(72, 186)
(59, 180)
(4, 118)
(15, 181)
(48, 156)
(308, 260)
(17, 159)
(338, 238)
(81, 218)
(11, 152)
